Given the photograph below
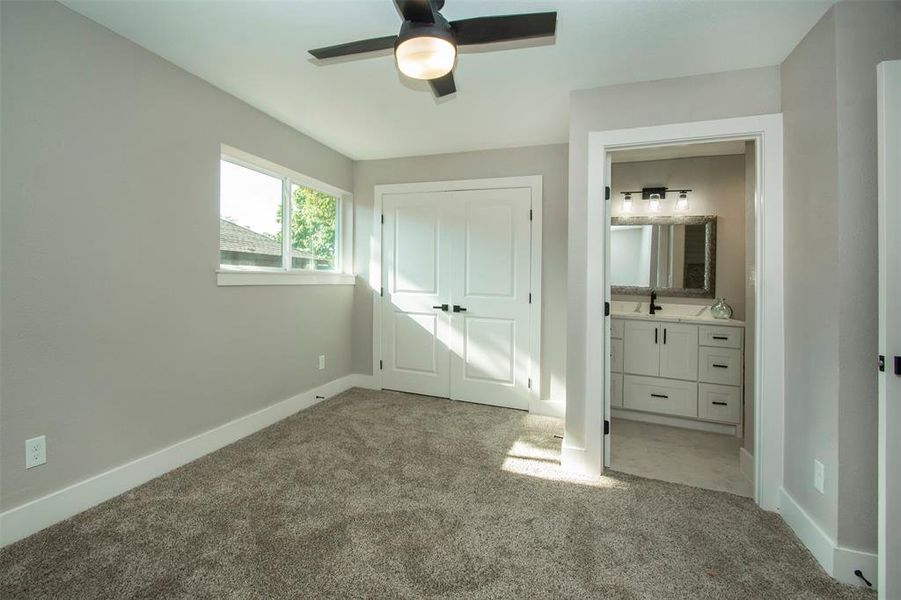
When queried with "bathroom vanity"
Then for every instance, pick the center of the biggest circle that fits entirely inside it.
(679, 366)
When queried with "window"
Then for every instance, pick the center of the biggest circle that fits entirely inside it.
(274, 220)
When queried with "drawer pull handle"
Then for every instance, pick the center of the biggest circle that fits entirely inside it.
(659, 396)
(721, 337)
(720, 403)
(719, 366)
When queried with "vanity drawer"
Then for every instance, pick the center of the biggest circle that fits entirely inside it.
(616, 328)
(616, 390)
(616, 356)
(666, 396)
(720, 337)
(719, 403)
(719, 365)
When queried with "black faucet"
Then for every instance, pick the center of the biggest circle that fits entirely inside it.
(654, 306)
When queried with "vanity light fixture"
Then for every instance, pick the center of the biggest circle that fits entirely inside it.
(654, 195)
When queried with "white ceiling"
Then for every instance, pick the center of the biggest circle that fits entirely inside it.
(679, 151)
(257, 51)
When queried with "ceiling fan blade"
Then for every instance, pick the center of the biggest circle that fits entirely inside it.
(443, 85)
(418, 11)
(484, 30)
(358, 47)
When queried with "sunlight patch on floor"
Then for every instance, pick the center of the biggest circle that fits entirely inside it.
(526, 458)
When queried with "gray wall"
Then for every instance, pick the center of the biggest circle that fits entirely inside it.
(549, 161)
(829, 101)
(116, 340)
(716, 96)
(718, 188)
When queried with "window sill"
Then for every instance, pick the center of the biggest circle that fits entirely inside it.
(236, 277)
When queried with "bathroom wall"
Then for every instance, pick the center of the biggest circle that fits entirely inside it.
(718, 188)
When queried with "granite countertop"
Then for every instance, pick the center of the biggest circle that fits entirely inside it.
(679, 313)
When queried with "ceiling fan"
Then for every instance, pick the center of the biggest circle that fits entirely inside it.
(426, 47)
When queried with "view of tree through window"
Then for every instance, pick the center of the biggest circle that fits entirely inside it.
(251, 219)
(313, 228)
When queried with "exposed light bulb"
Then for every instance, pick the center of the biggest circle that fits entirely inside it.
(425, 57)
(682, 202)
(654, 204)
(627, 203)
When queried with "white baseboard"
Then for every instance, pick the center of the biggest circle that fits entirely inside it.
(26, 519)
(838, 561)
(631, 415)
(746, 464)
(548, 408)
(577, 462)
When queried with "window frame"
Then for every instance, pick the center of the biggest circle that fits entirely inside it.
(286, 274)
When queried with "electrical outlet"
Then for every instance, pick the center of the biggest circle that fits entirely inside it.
(819, 476)
(321, 361)
(35, 451)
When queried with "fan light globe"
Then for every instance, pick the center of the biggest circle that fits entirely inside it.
(425, 57)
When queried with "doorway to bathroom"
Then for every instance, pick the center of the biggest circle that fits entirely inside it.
(681, 276)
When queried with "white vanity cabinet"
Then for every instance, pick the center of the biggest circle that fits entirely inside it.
(677, 368)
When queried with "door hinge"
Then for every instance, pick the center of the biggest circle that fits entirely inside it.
(383, 219)
(530, 383)
(881, 364)
(606, 192)
(381, 291)
(530, 297)
(381, 365)
(530, 214)
(606, 427)
(606, 309)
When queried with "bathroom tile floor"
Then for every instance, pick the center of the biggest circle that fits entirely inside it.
(697, 458)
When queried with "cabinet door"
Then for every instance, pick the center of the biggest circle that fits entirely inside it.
(679, 351)
(641, 348)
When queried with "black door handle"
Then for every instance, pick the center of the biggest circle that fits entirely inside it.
(442, 307)
(720, 337)
(664, 335)
(718, 366)
(655, 335)
(659, 396)
(898, 365)
(720, 403)
(458, 308)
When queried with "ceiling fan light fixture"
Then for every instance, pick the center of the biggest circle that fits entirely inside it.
(425, 57)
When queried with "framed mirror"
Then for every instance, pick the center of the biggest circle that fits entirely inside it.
(675, 256)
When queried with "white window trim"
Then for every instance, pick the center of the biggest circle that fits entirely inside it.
(343, 275)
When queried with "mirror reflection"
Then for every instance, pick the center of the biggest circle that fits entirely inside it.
(671, 254)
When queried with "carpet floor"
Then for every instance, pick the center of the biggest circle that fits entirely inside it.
(381, 494)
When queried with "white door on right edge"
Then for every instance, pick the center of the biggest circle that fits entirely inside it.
(889, 111)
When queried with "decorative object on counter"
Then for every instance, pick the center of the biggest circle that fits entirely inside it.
(721, 310)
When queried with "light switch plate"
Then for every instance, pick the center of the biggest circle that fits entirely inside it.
(35, 451)
(321, 361)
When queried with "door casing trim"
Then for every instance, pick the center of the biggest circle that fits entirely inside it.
(583, 440)
(534, 184)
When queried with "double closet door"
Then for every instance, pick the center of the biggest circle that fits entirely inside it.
(456, 305)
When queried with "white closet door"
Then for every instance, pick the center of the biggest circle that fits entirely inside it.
(490, 257)
(415, 276)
